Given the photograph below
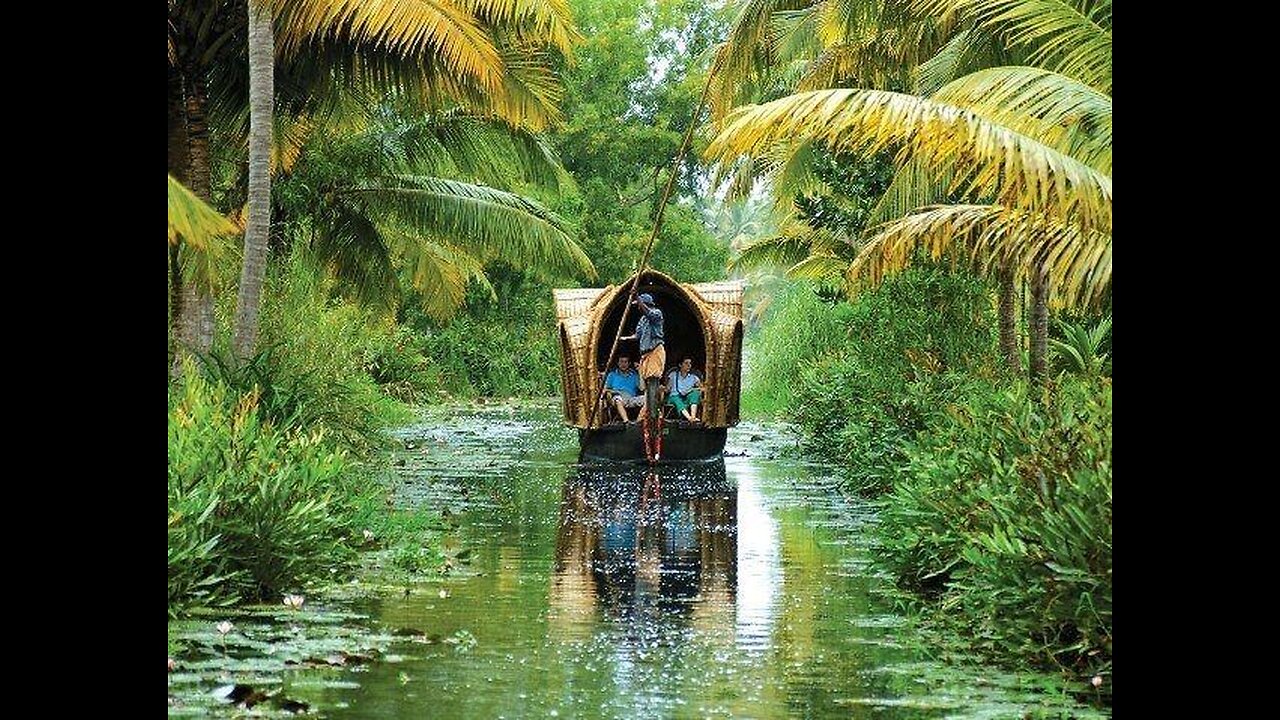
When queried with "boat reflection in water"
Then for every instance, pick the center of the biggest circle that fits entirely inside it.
(649, 551)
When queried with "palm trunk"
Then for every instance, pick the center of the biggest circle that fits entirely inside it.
(1039, 324)
(261, 95)
(196, 321)
(177, 147)
(1008, 324)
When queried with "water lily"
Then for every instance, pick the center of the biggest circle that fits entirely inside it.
(1097, 681)
(225, 627)
(294, 601)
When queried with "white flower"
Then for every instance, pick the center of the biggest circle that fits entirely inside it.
(1097, 681)
(225, 627)
(368, 536)
(294, 601)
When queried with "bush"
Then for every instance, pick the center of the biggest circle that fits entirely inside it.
(495, 348)
(254, 510)
(1005, 514)
(905, 350)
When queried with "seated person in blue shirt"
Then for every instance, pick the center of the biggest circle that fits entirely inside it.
(684, 388)
(622, 384)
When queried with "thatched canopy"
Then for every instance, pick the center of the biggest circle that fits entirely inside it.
(702, 321)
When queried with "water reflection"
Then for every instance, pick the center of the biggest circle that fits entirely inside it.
(652, 551)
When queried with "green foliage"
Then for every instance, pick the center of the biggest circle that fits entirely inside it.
(864, 377)
(1004, 513)
(798, 328)
(255, 509)
(497, 347)
(1083, 349)
(293, 392)
(626, 119)
(414, 201)
(394, 361)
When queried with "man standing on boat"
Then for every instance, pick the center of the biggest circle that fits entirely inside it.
(653, 355)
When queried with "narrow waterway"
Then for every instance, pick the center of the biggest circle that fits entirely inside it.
(743, 588)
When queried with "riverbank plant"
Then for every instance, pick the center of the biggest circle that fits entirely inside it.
(255, 509)
(1002, 519)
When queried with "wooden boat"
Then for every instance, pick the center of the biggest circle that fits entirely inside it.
(701, 320)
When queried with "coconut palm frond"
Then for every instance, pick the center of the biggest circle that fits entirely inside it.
(771, 251)
(1059, 36)
(966, 51)
(439, 271)
(486, 222)
(437, 29)
(745, 54)
(821, 267)
(992, 160)
(1077, 261)
(913, 186)
(193, 222)
(548, 22)
(1056, 110)
(354, 251)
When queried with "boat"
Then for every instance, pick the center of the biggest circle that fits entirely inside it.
(701, 320)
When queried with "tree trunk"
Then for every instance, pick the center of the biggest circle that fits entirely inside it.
(1039, 324)
(258, 228)
(177, 159)
(196, 325)
(1008, 324)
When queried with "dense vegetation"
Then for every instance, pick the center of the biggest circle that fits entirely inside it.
(918, 193)
(995, 493)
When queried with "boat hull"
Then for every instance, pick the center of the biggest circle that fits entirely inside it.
(625, 443)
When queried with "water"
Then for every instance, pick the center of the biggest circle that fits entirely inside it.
(742, 588)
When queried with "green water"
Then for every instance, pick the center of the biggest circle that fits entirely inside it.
(739, 589)
(743, 588)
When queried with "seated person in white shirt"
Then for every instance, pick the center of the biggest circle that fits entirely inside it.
(684, 389)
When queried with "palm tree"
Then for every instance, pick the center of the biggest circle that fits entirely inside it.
(1030, 142)
(493, 56)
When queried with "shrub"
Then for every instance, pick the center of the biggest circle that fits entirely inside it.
(254, 510)
(1005, 513)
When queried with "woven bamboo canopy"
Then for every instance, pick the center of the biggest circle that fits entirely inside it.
(701, 320)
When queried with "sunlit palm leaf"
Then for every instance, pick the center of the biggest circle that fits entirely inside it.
(486, 222)
(1077, 262)
(745, 53)
(991, 160)
(542, 21)
(436, 28)
(913, 186)
(822, 267)
(193, 222)
(966, 51)
(1059, 35)
(1051, 108)
(772, 251)
(439, 271)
